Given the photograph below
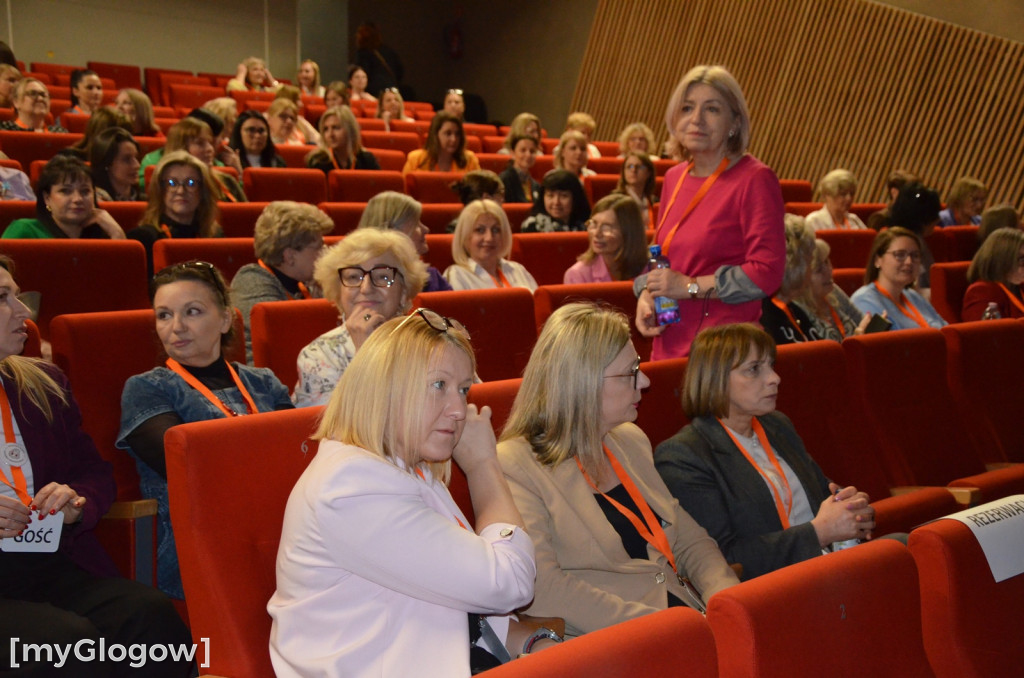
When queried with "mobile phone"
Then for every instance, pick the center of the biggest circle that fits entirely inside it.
(877, 324)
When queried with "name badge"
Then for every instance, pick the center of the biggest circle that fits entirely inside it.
(41, 536)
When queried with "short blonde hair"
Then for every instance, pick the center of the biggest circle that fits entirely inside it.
(963, 190)
(726, 85)
(389, 210)
(799, 250)
(278, 106)
(467, 220)
(715, 353)
(367, 243)
(629, 131)
(567, 136)
(558, 407)
(284, 224)
(316, 72)
(225, 108)
(380, 400)
(581, 121)
(837, 181)
(518, 128)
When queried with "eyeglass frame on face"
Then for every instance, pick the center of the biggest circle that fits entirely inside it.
(255, 130)
(633, 372)
(36, 94)
(189, 184)
(603, 229)
(901, 255)
(395, 275)
(636, 167)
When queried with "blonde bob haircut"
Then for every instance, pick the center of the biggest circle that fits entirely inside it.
(567, 136)
(285, 224)
(630, 131)
(280, 105)
(997, 257)
(390, 210)
(963, 190)
(518, 127)
(393, 365)
(471, 213)
(583, 122)
(799, 252)
(209, 191)
(715, 353)
(367, 243)
(726, 85)
(558, 407)
(836, 182)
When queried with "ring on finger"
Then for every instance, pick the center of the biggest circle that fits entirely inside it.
(366, 317)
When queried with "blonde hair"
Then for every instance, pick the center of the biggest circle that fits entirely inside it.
(389, 210)
(558, 407)
(997, 257)
(837, 181)
(143, 123)
(518, 128)
(353, 141)
(963, 190)
(799, 250)
(285, 224)
(629, 131)
(367, 243)
(581, 121)
(281, 104)
(380, 400)
(225, 108)
(316, 72)
(715, 353)
(380, 102)
(726, 85)
(464, 227)
(567, 136)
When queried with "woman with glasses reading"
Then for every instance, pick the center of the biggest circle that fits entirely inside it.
(612, 544)
(194, 322)
(618, 243)
(372, 277)
(894, 265)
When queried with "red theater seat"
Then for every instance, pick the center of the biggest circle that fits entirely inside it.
(437, 216)
(269, 184)
(661, 413)
(796, 190)
(598, 186)
(361, 185)
(125, 75)
(432, 187)
(28, 146)
(398, 141)
(547, 255)
(849, 248)
(192, 94)
(618, 295)
(440, 253)
(227, 254)
(238, 219)
(345, 215)
(949, 285)
(281, 329)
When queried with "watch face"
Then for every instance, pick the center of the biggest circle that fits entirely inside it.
(693, 288)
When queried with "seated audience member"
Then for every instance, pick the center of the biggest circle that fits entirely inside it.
(86, 92)
(283, 117)
(617, 248)
(372, 276)
(391, 210)
(196, 383)
(336, 94)
(637, 137)
(114, 164)
(197, 138)
(136, 106)
(638, 180)
(916, 209)
(740, 469)
(445, 149)
(837, 189)
(391, 108)
(995, 277)
(31, 106)
(571, 154)
(357, 85)
(251, 140)
(581, 471)
(524, 124)
(308, 78)
(52, 470)
(895, 181)
(376, 488)
(585, 124)
(303, 126)
(994, 218)
(182, 203)
(893, 268)
(781, 317)
(477, 185)
(455, 104)
(965, 203)
(225, 111)
(252, 75)
(561, 206)
(483, 238)
(9, 77)
(288, 238)
(66, 205)
(216, 125)
(103, 119)
(341, 146)
(520, 186)
(833, 314)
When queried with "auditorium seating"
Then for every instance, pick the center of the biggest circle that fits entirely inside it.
(389, 159)
(294, 156)
(605, 166)
(618, 295)
(969, 621)
(15, 209)
(599, 185)
(127, 214)
(517, 213)
(28, 146)
(796, 190)
(125, 75)
(949, 285)
(437, 216)
(848, 248)
(191, 95)
(361, 185)
(848, 280)
(439, 254)
(661, 414)
(547, 255)
(281, 329)
(397, 141)
(855, 612)
(345, 215)
(238, 219)
(431, 187)
(953, 243)
(227, 254)
(268, 184)
(495, 162)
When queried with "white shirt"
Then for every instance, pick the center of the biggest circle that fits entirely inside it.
(476, 278)
(821, 220)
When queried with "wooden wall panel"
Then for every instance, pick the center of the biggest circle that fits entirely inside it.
(829, 83)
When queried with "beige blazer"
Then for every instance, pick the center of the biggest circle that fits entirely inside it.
(583, 572)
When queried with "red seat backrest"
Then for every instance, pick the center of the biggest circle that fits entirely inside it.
(10, 210)
(796, 190)
(605, 165)
(53, 69)
(301, 185)
(618, 295)
(187, 94)
(125, 75)
(281, 329)
(361, 185)
(598, 186)
(440, 253)
(294, 155)
(154, 77)
(238, 219)
(517, 213)
(802, 209)
(849, 248)
(169, 79)
(28, 146)
(389, 159)
(127, 214)
(547, 255)
(949, 285)
(399, 141)
(74, 122)
(227, 254)
(437, 216)
(661, 413)
(345, 215)
(495, 162)
(432, 187)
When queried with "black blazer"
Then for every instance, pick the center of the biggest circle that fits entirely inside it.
(514, 189)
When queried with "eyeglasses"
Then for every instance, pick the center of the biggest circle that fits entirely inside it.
(634, 372)
(393, 90)
(636, 166)
(435, 321)
(37, 94)
(254, 131)
(603, 229)
(188, 184)
(380, 276)
(454, 91)
(901, 256)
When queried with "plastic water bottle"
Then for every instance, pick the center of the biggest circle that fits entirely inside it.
(991, 312)
(666, 309)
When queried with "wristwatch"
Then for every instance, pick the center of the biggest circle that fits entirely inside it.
(692, 288)
(540, 633)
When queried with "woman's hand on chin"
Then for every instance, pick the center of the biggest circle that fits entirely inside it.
(362, 323)
(477, 444)
(109, 225)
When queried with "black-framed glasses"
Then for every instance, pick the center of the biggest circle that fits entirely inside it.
(189, 184)
(37, 94)
(380, 275)
(634, 373)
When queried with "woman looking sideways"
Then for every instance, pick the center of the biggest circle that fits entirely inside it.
(114, 164)
(833, 314)
(391, 107)
(86, 92)
(995, 276)
(617, 246)
(394, 211)
(341, 146)
(136, 106)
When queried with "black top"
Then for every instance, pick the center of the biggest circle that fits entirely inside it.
(364, 161)
(778, 324)
(148, 234)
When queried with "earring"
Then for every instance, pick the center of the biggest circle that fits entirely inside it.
(49, 209)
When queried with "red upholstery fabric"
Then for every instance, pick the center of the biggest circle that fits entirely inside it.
(398, 141)
(802, 209)
(15, 209)
(500, 323)
(437, 216)
(227, 254)
(619, 295)
(227, 533)
(949, 285)
(672, 642)
(28, 146)
(33, 344)
(245, 98)
(268, 184)
(52, 70)
(127, 214)
(345, 215)
(864, 210)
(440, 253)
(849, 280)
(238, 219)
(391, 160)
(605, 165)
(153, 82)
(125, 75)
(599, 185)
(432, 187)
(517, 213)
(547, 255)
(191, 95)
(168, 80)
(499, 396)
(361, 185)
(496, 162)
(953, 243)
(661, 413)
(493, 143)
(371, 125)
(74, 122)
(796, 190)
(849, 249)
(281, 329)
(294, 156)
(970, 623)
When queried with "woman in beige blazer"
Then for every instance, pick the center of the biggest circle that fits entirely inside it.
(572, 457)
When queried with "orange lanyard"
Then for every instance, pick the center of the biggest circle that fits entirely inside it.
(1014, 299)
(223, 188)
(837, 322)
(334, 161)
(419, 472)
(167, 230)
(19, 123)
(303, 290)
(20, 485)
(908, 310)
(701, 192)
(174, 366)
(500, 280)
(844, 225)
(783, 504)
(652, 531)
(789, 314)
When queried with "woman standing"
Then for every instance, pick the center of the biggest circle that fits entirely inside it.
(618, 243)
(483, 238)
(721, 224)
(445, 150)
(341, 146)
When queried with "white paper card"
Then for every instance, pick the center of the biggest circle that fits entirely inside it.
(41, 536)
(999, 528)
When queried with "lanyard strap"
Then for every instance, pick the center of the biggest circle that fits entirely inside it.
(223, 187)
(908, 309)
(166, 230)
(20, 485)
(1014, 299)
(174, 366)
(303, 290)
(784, 307)
(652, 531)
(500, 280)
(701, 192)
(334, 161)
(837, 322)
(783, 504)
